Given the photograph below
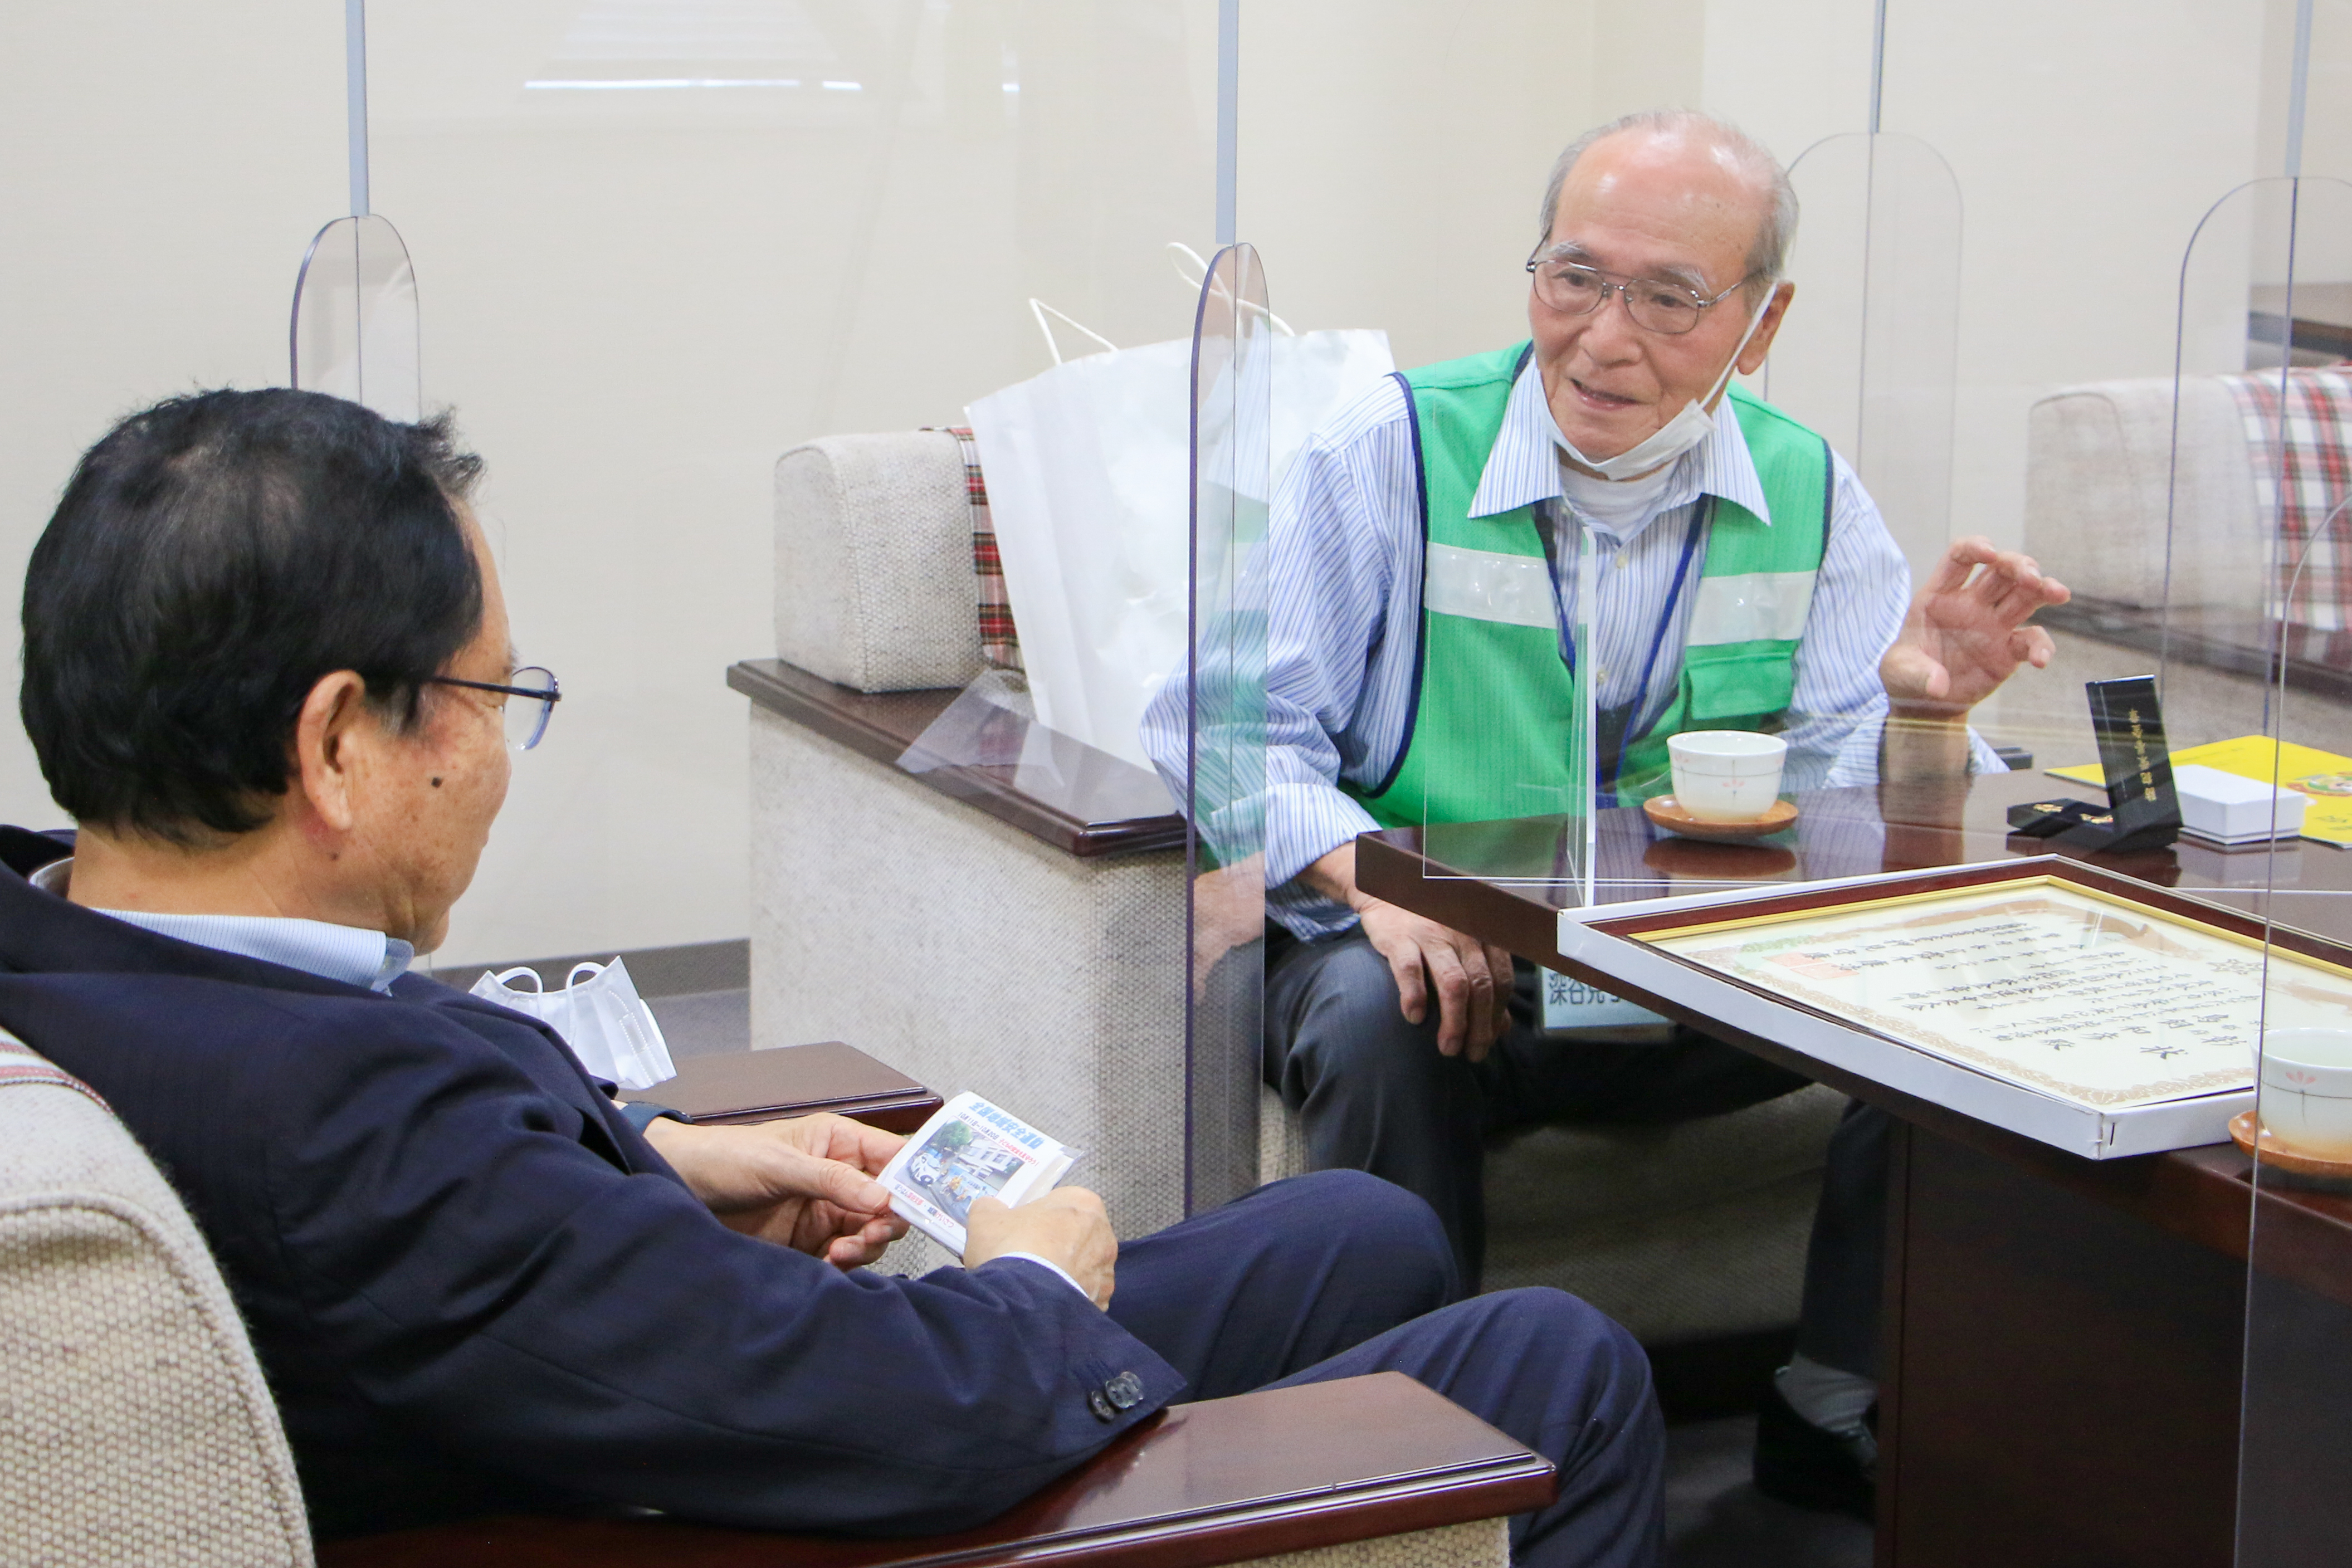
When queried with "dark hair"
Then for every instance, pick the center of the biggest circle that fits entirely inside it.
(213, 559)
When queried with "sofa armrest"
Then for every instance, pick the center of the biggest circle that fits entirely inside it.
(1086, 802)
(1225, 1480)
(874, 577)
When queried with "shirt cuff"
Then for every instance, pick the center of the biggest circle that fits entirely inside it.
(639, 1114)
(1055, 1269)
(1304, 823)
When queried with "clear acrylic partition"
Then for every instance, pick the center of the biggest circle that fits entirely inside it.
(1870, 353)
(1225, 765)
(1525, 810)
(2257, 666)
(355, 332)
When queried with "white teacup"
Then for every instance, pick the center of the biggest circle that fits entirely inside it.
(2307, 1090)
(1726, 775)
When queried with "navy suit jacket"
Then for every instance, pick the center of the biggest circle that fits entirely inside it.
(474, 1287)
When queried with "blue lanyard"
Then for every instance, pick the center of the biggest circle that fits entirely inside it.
(1658, 638)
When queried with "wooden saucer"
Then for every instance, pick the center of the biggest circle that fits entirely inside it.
(1667, 813)
(2274, 1153)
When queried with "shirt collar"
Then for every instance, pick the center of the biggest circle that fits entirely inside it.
(1523, 469)
(344, 953)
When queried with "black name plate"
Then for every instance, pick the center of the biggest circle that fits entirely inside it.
(2143, 808)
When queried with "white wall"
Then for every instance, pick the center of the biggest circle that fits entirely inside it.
(637, 299)
(1393, 155)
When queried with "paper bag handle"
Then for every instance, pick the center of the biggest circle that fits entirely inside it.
(1040, 310)
(1180, 253)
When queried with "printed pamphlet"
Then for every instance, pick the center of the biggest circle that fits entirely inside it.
(968, 1150)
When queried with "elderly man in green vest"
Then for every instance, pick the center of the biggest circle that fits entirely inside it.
(1422, 663)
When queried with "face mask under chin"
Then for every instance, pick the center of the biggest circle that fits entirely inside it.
(1691, 424)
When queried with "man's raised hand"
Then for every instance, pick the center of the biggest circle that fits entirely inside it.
(1967, 631)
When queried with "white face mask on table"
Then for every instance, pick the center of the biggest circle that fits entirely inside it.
(1691, 424)
(601, 1018)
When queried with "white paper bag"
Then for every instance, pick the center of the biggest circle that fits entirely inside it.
(1089, 479)
(601, 1018)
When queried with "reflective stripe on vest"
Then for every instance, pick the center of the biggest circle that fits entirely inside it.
(1487, 585)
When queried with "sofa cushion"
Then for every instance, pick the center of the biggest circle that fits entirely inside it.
(136, 1429)
(874, 565)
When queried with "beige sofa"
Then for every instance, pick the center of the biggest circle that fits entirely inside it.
(973, 956)
(135, 1429)
(2099, 489)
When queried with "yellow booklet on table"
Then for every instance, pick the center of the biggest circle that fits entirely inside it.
(2323, 776)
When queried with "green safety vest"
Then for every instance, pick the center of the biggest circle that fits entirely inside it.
(1494, 729)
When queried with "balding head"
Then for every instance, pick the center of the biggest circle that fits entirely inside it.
(1728, 151)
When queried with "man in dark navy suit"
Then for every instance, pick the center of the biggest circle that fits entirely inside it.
(267, 671)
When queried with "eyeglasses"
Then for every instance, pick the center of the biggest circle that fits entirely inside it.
(526, 721)
(1573, 289)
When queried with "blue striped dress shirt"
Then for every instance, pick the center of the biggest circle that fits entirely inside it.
(1341, 640)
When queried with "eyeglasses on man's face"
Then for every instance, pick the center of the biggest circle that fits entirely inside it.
(530, 701)
(1573, 289)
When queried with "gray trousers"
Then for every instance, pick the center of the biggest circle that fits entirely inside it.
(1375, 1095)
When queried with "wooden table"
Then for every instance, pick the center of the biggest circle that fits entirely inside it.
(2065, 1340)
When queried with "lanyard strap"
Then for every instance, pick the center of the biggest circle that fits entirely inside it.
(1555, 550)
(1657, 639)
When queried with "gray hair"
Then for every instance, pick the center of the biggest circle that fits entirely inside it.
(1768, 254)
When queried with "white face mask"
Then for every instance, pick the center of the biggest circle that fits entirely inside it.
(1691, 425)
(601, 1018)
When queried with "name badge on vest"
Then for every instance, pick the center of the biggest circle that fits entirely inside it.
(1572, 1007)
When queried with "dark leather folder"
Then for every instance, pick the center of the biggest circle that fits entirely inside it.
(793, 1081)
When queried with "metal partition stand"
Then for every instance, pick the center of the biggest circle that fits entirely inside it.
(1225, 765)
(354, 332)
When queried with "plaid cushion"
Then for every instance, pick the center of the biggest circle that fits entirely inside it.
(999, 640)
(2303, 472)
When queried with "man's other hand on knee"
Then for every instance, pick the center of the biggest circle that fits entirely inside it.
(1472, 979)
(1067, 1226)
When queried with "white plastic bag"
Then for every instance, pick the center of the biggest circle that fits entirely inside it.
(601, 1018)
(1088, 469)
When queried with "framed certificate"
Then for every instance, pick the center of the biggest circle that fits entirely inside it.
(2087, 1008)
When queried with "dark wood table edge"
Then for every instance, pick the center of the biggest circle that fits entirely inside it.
(2206, 1194)
(852, 719)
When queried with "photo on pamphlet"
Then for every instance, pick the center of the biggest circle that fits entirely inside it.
(968, 1151)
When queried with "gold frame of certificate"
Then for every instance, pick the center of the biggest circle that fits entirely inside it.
(2090, 1011)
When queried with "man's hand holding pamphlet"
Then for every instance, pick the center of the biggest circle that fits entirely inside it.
(968, 1150)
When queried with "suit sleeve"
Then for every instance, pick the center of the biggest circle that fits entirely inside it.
(481, 1276)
